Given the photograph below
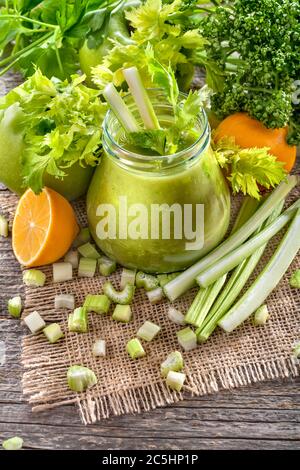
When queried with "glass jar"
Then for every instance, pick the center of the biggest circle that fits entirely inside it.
(125, 178)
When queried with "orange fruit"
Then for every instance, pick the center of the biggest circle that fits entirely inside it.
(249, 132)
(44, 228)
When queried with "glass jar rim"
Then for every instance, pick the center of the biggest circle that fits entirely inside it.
(109, 141)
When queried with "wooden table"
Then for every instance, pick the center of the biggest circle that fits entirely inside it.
(263, 416)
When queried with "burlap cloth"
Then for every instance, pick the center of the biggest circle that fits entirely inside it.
(250, 354)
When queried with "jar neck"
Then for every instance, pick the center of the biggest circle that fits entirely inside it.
(159, 164)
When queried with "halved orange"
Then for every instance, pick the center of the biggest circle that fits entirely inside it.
(44, 228)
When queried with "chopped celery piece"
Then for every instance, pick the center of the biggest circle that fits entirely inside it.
(235, 257)
(72, 257)
(80, 378)
(173, 362)
(89, 251)
(176, 316)
(3, 226)
(175, 380)
(261, 315)
(78, 320)
(97, 303)
(135, 349)
(106, 266)
(87, 267)
(119, 108)
(234, 286)
(296, 351)
(13, 443)
(147, 281)
(148, 331)
(141, 98)
(267, 279)
(62, 272)
(185, 280)
(123, 297)
(34, 277)
(53, 332)
(83, 237)
(155, 295)
(127, 277)
(163, 279)
(295, 279)
(187, 339)
(64, 301)
(122, 313)
(14, 306)
(99, 348)
(34, 322)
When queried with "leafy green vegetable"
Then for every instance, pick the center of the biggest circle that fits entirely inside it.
(61, 126)
(48, 34)
(252, 60)
(247, 169)
(168, 28)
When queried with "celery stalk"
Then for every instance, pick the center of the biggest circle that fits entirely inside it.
(53, 332)
(106, 265)
(295, 279)
(120, 109)
(127, 277)
(141, 98)
(247, 209)
(123, 297)
(176, 316)
(235, 257)
(261, 315)
(147, 281)
(78, 320)
(87, 267)
(14, 306)
(296, 351)
(267, 280)
(148, 331)
(64, 301)
(185, 280)
(187, 339)
(62, 272)
(155, 295)
(13, 443)
(206, 296)
(80, 378)
(122, 313)
(135, 349)
(174, 361)
(99, 348)
(89, 251)
(175, 380)
(34, 322)
(84, 236)
(97, 303)
(72, 257)
(34, 277)
(3, 226)
(234, 286)
(198, 311)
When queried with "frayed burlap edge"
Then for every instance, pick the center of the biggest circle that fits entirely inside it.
(152, 396)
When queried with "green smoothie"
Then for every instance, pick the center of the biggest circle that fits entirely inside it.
(199, 182)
